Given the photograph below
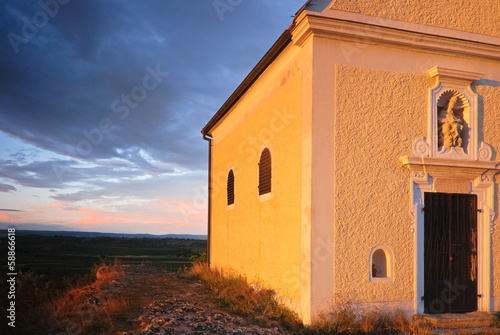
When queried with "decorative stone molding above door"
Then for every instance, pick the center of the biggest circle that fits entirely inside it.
(452, 118)
(451, 160)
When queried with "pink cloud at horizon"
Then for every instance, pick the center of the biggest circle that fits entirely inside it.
(163, 216)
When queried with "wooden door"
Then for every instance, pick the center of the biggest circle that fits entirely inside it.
(450, 253)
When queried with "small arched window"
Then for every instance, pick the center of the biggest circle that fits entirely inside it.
(380, 264)
(265, 172)
(230, 188)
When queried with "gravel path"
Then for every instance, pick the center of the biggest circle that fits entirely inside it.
(179, 304)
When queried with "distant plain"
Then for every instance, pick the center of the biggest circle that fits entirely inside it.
(60, 256)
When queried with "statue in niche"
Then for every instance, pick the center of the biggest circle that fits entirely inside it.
(450, 126)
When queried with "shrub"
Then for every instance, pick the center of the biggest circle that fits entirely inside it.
(200, 258)
(342, 318)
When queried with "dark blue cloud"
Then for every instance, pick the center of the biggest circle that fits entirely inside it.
(7, 188)
(78, 85)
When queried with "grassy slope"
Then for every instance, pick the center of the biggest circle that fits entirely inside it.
(49, 266)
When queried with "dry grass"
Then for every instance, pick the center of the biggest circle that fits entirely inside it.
(344, 319)
(236, 294)
(89, 309)
(495, 321)
(69, 306)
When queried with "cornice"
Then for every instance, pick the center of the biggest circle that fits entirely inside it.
(443, 74)
(423, 167)
(436, 39)
(450, 163)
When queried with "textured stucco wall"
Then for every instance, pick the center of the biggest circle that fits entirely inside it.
(378, 96)
(262, 239)
(480, 17)
(378, 115)
(489, 93)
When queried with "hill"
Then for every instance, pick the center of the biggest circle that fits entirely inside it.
(98, 234)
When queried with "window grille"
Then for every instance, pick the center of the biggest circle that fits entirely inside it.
(230, 188)
(265, 173)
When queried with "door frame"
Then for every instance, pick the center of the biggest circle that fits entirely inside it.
(468, 179)
(449, 201)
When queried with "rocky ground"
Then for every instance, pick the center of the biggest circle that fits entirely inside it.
(180, 304)
(144, 300)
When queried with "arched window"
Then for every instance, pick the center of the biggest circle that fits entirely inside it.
(380, 264)
(230, 188)
(265, 172)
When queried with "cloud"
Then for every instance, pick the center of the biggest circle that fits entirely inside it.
(72, 73)
(7, 188)
(69, 84)
(103, 126)
(36, 174)
(62, 173)
(97, 218)
(164, 214)
(93, 53)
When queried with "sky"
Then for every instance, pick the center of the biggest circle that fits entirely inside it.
(102, 104)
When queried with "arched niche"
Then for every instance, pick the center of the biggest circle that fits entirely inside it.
(381, 264)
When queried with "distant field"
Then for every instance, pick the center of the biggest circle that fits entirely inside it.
(59, 256)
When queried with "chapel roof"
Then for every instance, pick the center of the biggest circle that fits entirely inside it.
(464, 20)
